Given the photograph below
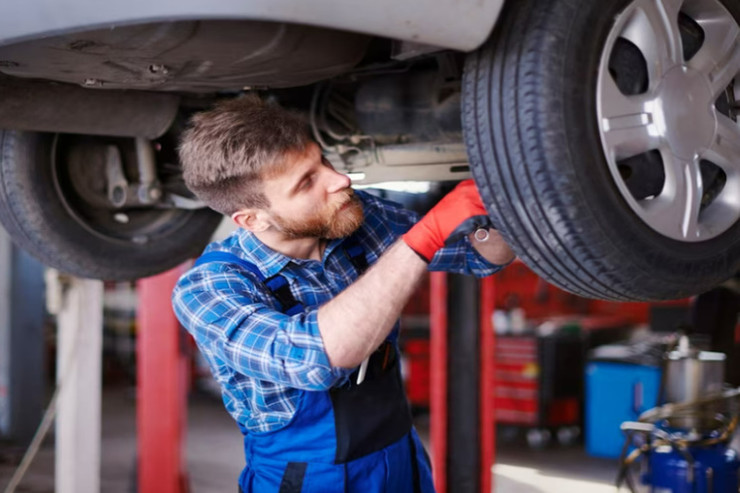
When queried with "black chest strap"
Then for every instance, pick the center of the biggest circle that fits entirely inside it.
(277, 284)
(356, 254)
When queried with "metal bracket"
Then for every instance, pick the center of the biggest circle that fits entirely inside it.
(181, 202)
(121, 192)
(433, 161)
(149, 189)
(118, 186)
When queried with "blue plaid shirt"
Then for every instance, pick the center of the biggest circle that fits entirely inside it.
(262, 358)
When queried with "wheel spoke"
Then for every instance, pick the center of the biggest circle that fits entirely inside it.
(719, 55)
(725, 149)
(654, 30)
(626, 122)
(629, 135)
(614, 104)
(677, 207)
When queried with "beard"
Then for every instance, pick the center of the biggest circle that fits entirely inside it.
(335, 220)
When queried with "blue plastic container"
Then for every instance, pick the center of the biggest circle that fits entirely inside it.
(615, 393)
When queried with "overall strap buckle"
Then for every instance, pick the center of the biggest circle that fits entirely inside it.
(356, 254)
(280, 289)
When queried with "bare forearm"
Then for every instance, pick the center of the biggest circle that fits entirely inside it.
(494, 249)
(354, 323)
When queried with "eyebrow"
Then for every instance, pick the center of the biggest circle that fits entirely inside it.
(303, 178)
(305, 175)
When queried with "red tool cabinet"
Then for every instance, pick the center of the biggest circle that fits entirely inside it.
(538, 380)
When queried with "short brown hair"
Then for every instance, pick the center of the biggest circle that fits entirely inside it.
(227, 150)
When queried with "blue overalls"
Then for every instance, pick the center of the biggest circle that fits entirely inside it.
(350, 439)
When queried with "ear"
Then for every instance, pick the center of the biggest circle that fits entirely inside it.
(254, 220)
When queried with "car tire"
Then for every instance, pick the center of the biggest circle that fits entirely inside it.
(38, 210)
(536, 149)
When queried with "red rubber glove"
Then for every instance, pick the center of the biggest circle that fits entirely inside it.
(458, 214)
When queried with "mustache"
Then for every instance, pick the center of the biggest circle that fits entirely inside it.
(349, 197)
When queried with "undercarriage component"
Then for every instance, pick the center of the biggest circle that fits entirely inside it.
(51, 107)
(417, 162)
(419, 106)
(189, 56)
(121, 192)
(403, 126)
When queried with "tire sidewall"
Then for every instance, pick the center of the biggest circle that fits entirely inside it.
(37, 219)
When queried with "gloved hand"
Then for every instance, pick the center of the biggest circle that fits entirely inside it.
(458, 214)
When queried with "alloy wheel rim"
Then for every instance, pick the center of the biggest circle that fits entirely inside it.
(666, 103)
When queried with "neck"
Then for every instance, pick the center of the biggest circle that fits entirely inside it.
(305, 248)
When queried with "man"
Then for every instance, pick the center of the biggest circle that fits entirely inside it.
(302, 342)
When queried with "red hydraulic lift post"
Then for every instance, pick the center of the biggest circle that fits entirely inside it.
(161, 388)
(487, 383)
(439, 381)
(438, 377)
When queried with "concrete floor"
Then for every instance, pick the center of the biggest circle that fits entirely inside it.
(519, 469)
(214, 455)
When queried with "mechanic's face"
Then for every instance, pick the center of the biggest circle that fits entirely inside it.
(311, 200)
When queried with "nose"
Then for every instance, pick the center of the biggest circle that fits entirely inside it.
(337, 181)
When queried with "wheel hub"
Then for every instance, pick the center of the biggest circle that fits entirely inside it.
(686, 118)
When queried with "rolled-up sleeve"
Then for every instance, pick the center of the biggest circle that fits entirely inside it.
(459, 258)
(462, 258)
(229, 317)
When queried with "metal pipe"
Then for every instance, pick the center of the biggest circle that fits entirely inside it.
(149, 189)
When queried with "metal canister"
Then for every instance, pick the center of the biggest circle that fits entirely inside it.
(692, 374)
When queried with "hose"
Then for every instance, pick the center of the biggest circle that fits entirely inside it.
(33, 448)
(48, 416)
